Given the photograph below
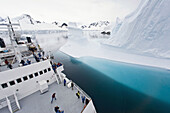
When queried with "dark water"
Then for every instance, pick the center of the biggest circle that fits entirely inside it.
(117, 87)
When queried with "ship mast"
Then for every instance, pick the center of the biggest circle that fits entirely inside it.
(13, 41)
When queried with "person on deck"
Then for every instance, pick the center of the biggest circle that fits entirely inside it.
(6, 62)
(10, 66)
(53, 97)
(36, 58)
(78, 94)
(72, 85)
(59, 64)
(22, 62)
(43, 53)
(54, 67)
(87, 101)
(83, 99)
(64, 82)
(56, 109)
(28, 61)
(39, 54)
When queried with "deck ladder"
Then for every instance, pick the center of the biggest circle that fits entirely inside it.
(57, 78)
(13, 103)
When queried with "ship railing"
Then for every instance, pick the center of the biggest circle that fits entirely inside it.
(9, 105)
(16, 100)
(86, 95)
(2, 102)
(81, 91)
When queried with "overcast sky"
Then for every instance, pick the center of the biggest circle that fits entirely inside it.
(69, 10)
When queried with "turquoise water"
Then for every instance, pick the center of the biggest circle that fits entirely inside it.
(151, 81)
(117, 87)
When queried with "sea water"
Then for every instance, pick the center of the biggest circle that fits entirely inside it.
(117, 87)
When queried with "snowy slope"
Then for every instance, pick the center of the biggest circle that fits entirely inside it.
(117, 26)
(146, 30)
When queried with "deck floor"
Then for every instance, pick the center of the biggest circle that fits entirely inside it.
(40, 103)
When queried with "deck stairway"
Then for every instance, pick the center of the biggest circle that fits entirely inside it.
(13, 103)
(58, 74)
(58, 79)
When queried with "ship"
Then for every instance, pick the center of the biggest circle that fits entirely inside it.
(29, 77)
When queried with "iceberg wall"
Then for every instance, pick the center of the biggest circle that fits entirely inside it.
(146, 30)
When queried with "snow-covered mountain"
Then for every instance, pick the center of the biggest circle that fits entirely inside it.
(96, 25)
(1, 19)
(146, 30)
(24, 19)
(28, 23)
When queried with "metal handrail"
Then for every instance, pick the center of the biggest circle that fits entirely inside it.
(81, 91)
(16, 100)
(9, 105)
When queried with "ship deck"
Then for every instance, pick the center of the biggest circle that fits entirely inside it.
(41, 103)
(16, 64)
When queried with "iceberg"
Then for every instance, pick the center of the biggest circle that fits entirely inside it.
(141, 38)
(146, 30)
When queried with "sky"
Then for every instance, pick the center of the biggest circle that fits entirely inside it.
(68, 10)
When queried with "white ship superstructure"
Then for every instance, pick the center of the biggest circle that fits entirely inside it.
(28, 88)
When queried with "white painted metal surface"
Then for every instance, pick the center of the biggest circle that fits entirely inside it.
(43, 86)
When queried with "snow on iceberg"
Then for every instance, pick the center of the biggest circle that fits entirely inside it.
(146, 30)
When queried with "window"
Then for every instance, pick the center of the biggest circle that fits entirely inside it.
(41, 72)
(4, 85)
(36, 74)
(12, 83)
(25, 78)
(19, 80)
(45, 70)
(49, 69)
(31, 76)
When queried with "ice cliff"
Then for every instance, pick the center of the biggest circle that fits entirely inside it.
(146, 30)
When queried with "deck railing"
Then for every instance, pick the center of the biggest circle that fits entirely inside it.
(81, 91)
